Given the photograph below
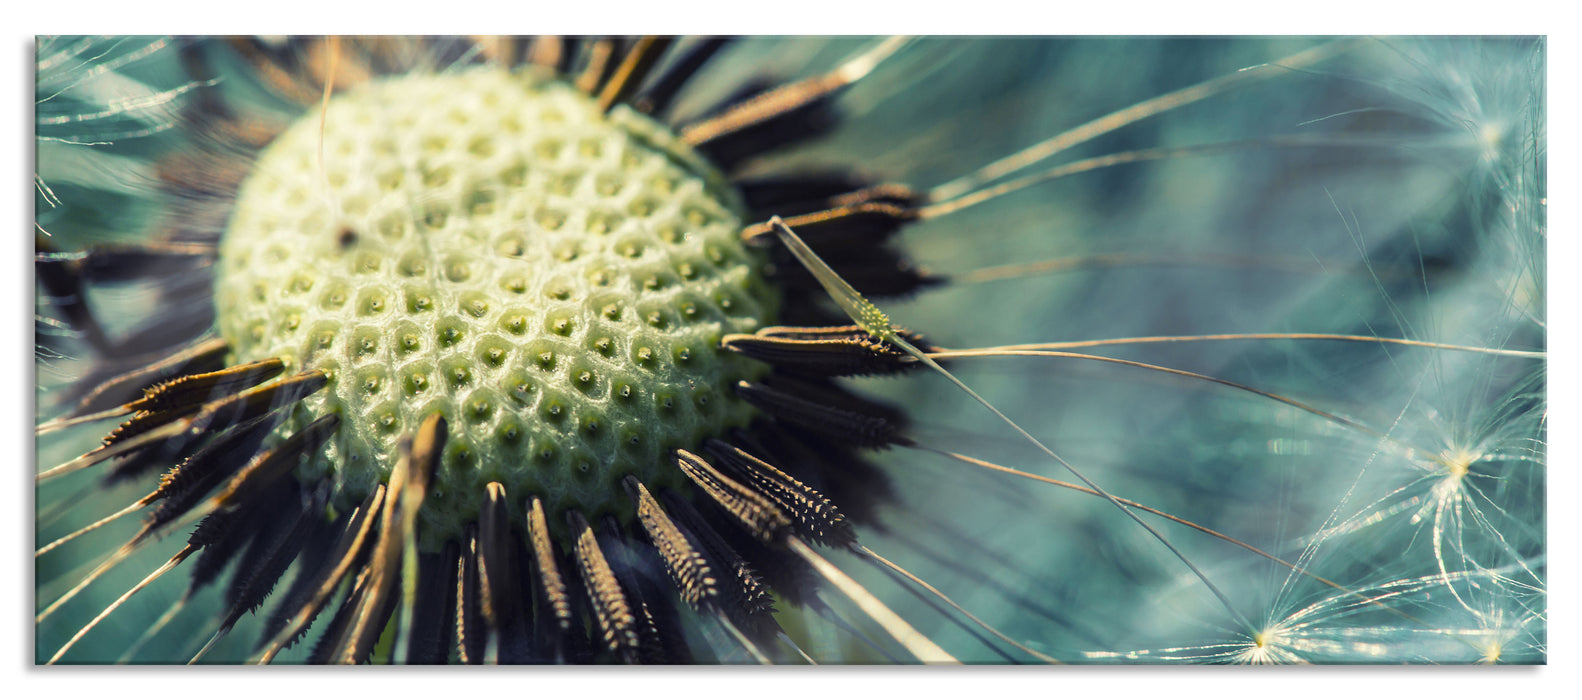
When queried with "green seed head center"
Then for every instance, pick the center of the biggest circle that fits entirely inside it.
(489, 246)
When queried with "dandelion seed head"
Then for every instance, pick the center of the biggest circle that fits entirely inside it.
(489, 245)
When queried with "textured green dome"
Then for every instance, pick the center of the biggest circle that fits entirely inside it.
(488, 245)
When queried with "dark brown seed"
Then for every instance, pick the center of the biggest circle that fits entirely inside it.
(751, 509)
(766, 121)
(655, 99)
(551, 584)
(639, 60)
(433, 621)
(267, 469)
(693, 575)
(204, 356)
(616, 620)
(835, 415)
(354, 542)
(186, 484)
(196, 389)
(831, 351)
(470, 634)
(816, 517)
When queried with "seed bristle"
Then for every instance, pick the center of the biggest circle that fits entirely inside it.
(834, 414)
(816, 516)
(693, 576)
(551, 584)
(354, 540)
(656, 97)
(751, 509)
(106, 394)
(831, 351)
(617, 623)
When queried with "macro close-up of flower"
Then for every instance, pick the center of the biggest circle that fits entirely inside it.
(790, 350)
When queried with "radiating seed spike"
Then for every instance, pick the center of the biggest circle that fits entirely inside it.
(222, 536)
(139, 463)
(848, 423)
(495, 570)
(746, 599)
(816, 516)
(861, 311)
(614, 615)
(798, 192)
(600, 63)
(846, 332)
(839, 471)
(650, 649)
(470, 635)
(429, 642)
(639, 60)
(689, 569)
(196, 389)
(259, 400)
(373, 613)
(884, 192)
(408, 487)
(655, 99)
(832, 393)
(755, 512)
(551, 584)
(854, 223)
(143, 422)
(358, 535)
(254, 581)
(268, 468)
(188, 483)
(835, 351)
(781, 115)
(241, 408)
(661, 640)
(317, 556)
(330, 645)
(278, 541)
(129, 385)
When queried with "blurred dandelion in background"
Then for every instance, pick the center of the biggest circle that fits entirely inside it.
(1282, 300)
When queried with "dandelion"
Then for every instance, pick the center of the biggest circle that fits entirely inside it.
(570, 350)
